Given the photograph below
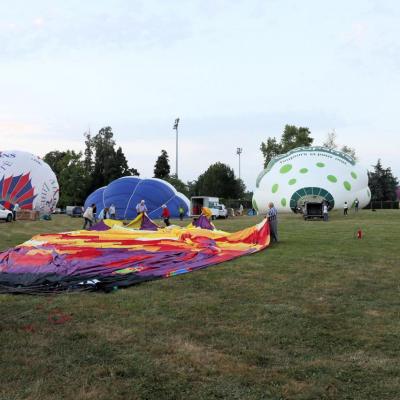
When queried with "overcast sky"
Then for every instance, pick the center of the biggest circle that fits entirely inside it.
(235, 72)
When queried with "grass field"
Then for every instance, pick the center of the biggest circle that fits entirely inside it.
(316, 316)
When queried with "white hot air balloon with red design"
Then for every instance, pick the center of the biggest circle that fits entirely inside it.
(28, 181)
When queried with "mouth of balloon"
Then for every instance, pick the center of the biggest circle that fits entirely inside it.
(310, 194)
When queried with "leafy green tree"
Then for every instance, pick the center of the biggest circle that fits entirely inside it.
(71, 176)
(219, 180)
(382, 183)
(191, 186)
(78, 176)
(162, 167)
(270, 150)
(57, 161)
(108, 164)
(72, 181)
(88, 152)
(120, 166)
(179, 185)
(292, 137)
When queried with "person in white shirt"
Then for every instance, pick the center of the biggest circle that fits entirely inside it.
(111, 211)
(325, 211)
(14, 211)
(345, 208)
(89, 217)
(141, 207)
(104, 214)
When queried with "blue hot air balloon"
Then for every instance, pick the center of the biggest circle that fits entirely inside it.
(125, 193)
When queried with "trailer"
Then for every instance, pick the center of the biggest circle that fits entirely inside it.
(198, 202)
(313, 210)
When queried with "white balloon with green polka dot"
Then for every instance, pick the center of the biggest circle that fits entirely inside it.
(311, 174)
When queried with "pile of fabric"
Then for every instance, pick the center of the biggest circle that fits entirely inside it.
(111, 255)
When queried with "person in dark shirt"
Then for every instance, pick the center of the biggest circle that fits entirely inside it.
(165, 215)
(273, 222)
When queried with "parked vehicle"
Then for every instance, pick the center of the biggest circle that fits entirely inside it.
(5, 214)
(74, 211)
(197, 202)
(77, 212)
(223, 212)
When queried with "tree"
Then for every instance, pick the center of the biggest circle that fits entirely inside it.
(295, 137)
(57, 161)
(292, 137)
(350, 151)
(382, 183)
(219, 180)
(120, 166)
(178, 185)
(108, 164)
(191, 186)
(78, 176)
(88, 152)
(270, 150)
(71, 175)
(73, 181)
(161, 167)
(330, 143)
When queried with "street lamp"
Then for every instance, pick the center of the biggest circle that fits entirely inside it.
(239, 151)
(176, 128)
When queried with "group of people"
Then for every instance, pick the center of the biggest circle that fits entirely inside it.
(91, 217)
(110, 213)
(345, 208)
(272, 216)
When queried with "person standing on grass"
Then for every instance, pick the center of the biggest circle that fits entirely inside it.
(94, 212)
(181, 211)
(89, 216)
(272, 216)
(325, 211)
(111, 211)
(356, 204)
(14, 211)
(345, 208)
(141, 207)
(165, 214)
(104, 214)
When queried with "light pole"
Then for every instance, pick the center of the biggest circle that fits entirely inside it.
(239, 151)
(176, 152)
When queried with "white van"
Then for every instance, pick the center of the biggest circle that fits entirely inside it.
(197, 202)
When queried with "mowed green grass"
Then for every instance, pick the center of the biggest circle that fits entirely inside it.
(316, 316)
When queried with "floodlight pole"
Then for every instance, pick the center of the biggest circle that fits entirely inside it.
(239, 151)
(176, 151)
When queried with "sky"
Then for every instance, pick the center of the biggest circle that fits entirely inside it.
(235, 72)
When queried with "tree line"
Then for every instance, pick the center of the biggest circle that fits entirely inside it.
(101, 162)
